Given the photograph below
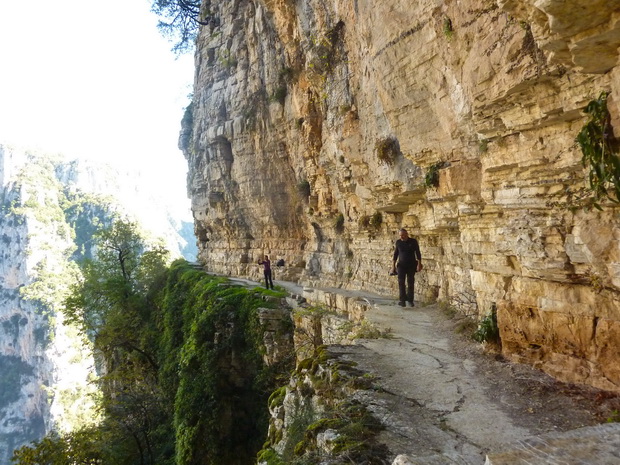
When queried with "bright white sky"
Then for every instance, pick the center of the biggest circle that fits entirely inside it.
(93, 79)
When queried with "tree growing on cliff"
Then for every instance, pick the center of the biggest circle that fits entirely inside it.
(112, 306)
(114, 283)
(83, 446)
(181, 20)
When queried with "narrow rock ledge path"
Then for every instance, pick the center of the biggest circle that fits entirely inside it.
(445, 401)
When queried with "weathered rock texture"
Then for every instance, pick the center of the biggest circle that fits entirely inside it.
(320, 416)
(316, 125)
(594, 444)
(29, 375)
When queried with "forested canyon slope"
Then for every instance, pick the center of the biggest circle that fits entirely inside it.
(318, 128)
(50, 210)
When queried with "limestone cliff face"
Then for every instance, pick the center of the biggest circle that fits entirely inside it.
(31, 244)
(317, 127)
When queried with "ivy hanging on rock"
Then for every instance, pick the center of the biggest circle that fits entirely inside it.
(598, 146)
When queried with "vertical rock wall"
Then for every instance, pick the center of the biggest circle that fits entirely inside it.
(26, 368)
(317, 128)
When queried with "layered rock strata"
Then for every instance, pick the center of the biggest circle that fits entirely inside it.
(318, 128)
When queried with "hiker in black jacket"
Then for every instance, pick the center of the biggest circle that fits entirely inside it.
(407, 260)
(267, 271)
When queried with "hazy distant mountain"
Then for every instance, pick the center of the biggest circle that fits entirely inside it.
(49, 210)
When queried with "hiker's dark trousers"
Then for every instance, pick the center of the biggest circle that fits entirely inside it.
(406, 281)
(268, 281)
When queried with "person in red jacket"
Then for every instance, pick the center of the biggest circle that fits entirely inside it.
(267, 271)
(407, 260)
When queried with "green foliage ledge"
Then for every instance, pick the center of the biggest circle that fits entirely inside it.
(213, 370)
(184, 381)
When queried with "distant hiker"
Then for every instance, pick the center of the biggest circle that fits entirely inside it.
(407, 260)
(267, 271)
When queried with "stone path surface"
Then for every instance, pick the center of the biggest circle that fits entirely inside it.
(447, 402)
(591, 445)
(444, 400)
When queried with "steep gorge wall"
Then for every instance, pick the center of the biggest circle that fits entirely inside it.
(311, 118)
(49, 211)
(32, 244)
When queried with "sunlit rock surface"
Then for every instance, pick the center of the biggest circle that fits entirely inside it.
(29, 371)
(594, 444)
(294, 101)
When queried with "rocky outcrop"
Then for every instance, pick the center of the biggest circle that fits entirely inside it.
(585, 37)
(319, 416)
(318, 129)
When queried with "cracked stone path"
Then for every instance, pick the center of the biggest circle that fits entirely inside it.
(445, 404)
(444, 401)
(438, 399)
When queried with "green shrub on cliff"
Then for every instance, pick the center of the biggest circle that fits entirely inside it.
(431, 179)
(448, 29)
(488, 331)
(376, 219)
(599, 149)
(387, 150)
